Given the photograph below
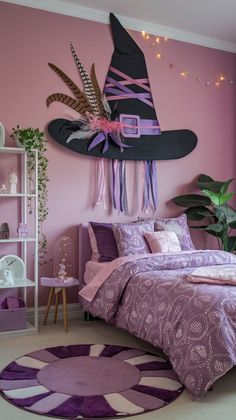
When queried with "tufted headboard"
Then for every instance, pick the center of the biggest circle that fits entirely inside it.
(84, 249)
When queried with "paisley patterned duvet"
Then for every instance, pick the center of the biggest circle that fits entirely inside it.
(194, 324)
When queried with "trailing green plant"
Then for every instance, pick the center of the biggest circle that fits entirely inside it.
(31, 139)
(212, 209)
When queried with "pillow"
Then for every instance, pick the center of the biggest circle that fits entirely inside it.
(130, 239)
(165, 241)
(103, 243)
(180, 227)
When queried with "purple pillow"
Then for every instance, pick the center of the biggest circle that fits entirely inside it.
(130, 238)
(178, 225)
(103, 243)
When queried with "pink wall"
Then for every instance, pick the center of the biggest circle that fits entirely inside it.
(31, 38)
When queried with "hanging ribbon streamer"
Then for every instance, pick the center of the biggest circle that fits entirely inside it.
(153, 182)
(117, 185)
(123, 190)
(100, 188)
(150, 186)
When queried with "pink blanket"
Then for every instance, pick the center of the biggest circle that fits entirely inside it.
(223, 274)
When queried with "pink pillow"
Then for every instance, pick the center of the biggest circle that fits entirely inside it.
(163, 241)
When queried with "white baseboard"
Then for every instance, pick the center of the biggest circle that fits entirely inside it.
(74, 311)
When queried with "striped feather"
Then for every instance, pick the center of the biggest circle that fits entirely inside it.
(71, 85)
(80, 107)
(88, 87)
(97, 90)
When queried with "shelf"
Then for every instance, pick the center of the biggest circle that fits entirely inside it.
(19, 283)
(17, 195)
(18, 150)
(30, 329)
(17, 240)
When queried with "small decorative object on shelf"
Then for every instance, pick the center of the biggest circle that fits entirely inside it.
(4, 231)
(3, 189)
(8, 277)
(22, 230)
(12, 181)
(2, 135)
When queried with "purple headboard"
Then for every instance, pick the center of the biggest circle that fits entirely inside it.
(84, 249)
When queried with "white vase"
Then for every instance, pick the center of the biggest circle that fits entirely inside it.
(2, 135)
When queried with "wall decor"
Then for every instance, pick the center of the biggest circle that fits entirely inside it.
(2, 135)
(121, 125)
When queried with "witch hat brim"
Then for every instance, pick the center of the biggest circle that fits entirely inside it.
(162, 147)
(129, 95)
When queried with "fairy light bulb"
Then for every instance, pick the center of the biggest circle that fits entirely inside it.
(183, 74)
(158, 40)
(222, 77)
(166, 39)
(158, 56)
(147, 36)
(143, 33)
(217, 83)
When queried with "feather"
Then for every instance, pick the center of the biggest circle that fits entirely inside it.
(80, 107)
(88, 87)
(71, 85)
(97, 90)
(81, 134)
(106, 107)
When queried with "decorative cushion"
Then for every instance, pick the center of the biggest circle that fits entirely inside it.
(164, 241)
(102, 242)
(130, 237)
(178, 225)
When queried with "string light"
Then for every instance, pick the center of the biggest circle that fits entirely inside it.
(158, 41)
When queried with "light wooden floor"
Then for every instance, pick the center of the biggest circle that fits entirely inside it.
(219, 404)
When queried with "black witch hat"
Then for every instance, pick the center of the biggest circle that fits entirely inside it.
(122, 124)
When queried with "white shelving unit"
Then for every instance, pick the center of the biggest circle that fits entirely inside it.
(24, 284)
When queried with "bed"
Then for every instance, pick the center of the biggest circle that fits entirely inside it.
(147, 295)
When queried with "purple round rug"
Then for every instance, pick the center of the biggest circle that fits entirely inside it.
(90, 381)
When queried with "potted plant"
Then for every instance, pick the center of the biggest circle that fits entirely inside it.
(32, 138)
(212, 209)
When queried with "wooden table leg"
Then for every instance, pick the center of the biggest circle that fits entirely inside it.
(56, 306)
(50, 297)
(65, 309)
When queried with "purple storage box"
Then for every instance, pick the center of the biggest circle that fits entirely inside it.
(12, 319)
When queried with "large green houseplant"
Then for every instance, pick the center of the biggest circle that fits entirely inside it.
(32, 138)
(211, 208)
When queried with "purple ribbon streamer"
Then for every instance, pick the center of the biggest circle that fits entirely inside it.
(100, 137)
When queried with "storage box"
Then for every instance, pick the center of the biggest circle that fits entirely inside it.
(12, 319)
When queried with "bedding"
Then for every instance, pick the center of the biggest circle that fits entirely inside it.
(92, 268)
(194, 324)
(130, 237)
(179, 225)
(102, 242)
(164, 241)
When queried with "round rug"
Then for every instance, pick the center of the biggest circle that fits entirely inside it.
(90, 381)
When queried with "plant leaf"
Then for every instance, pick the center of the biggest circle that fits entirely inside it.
(199, 213)
(218, 198)
(231, 243)
(191, 200)
(225, 213)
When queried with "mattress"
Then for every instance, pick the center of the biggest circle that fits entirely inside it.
(92, 268)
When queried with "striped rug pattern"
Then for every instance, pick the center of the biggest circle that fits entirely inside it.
(89, 381)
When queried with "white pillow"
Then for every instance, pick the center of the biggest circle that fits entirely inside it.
(163, 241)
